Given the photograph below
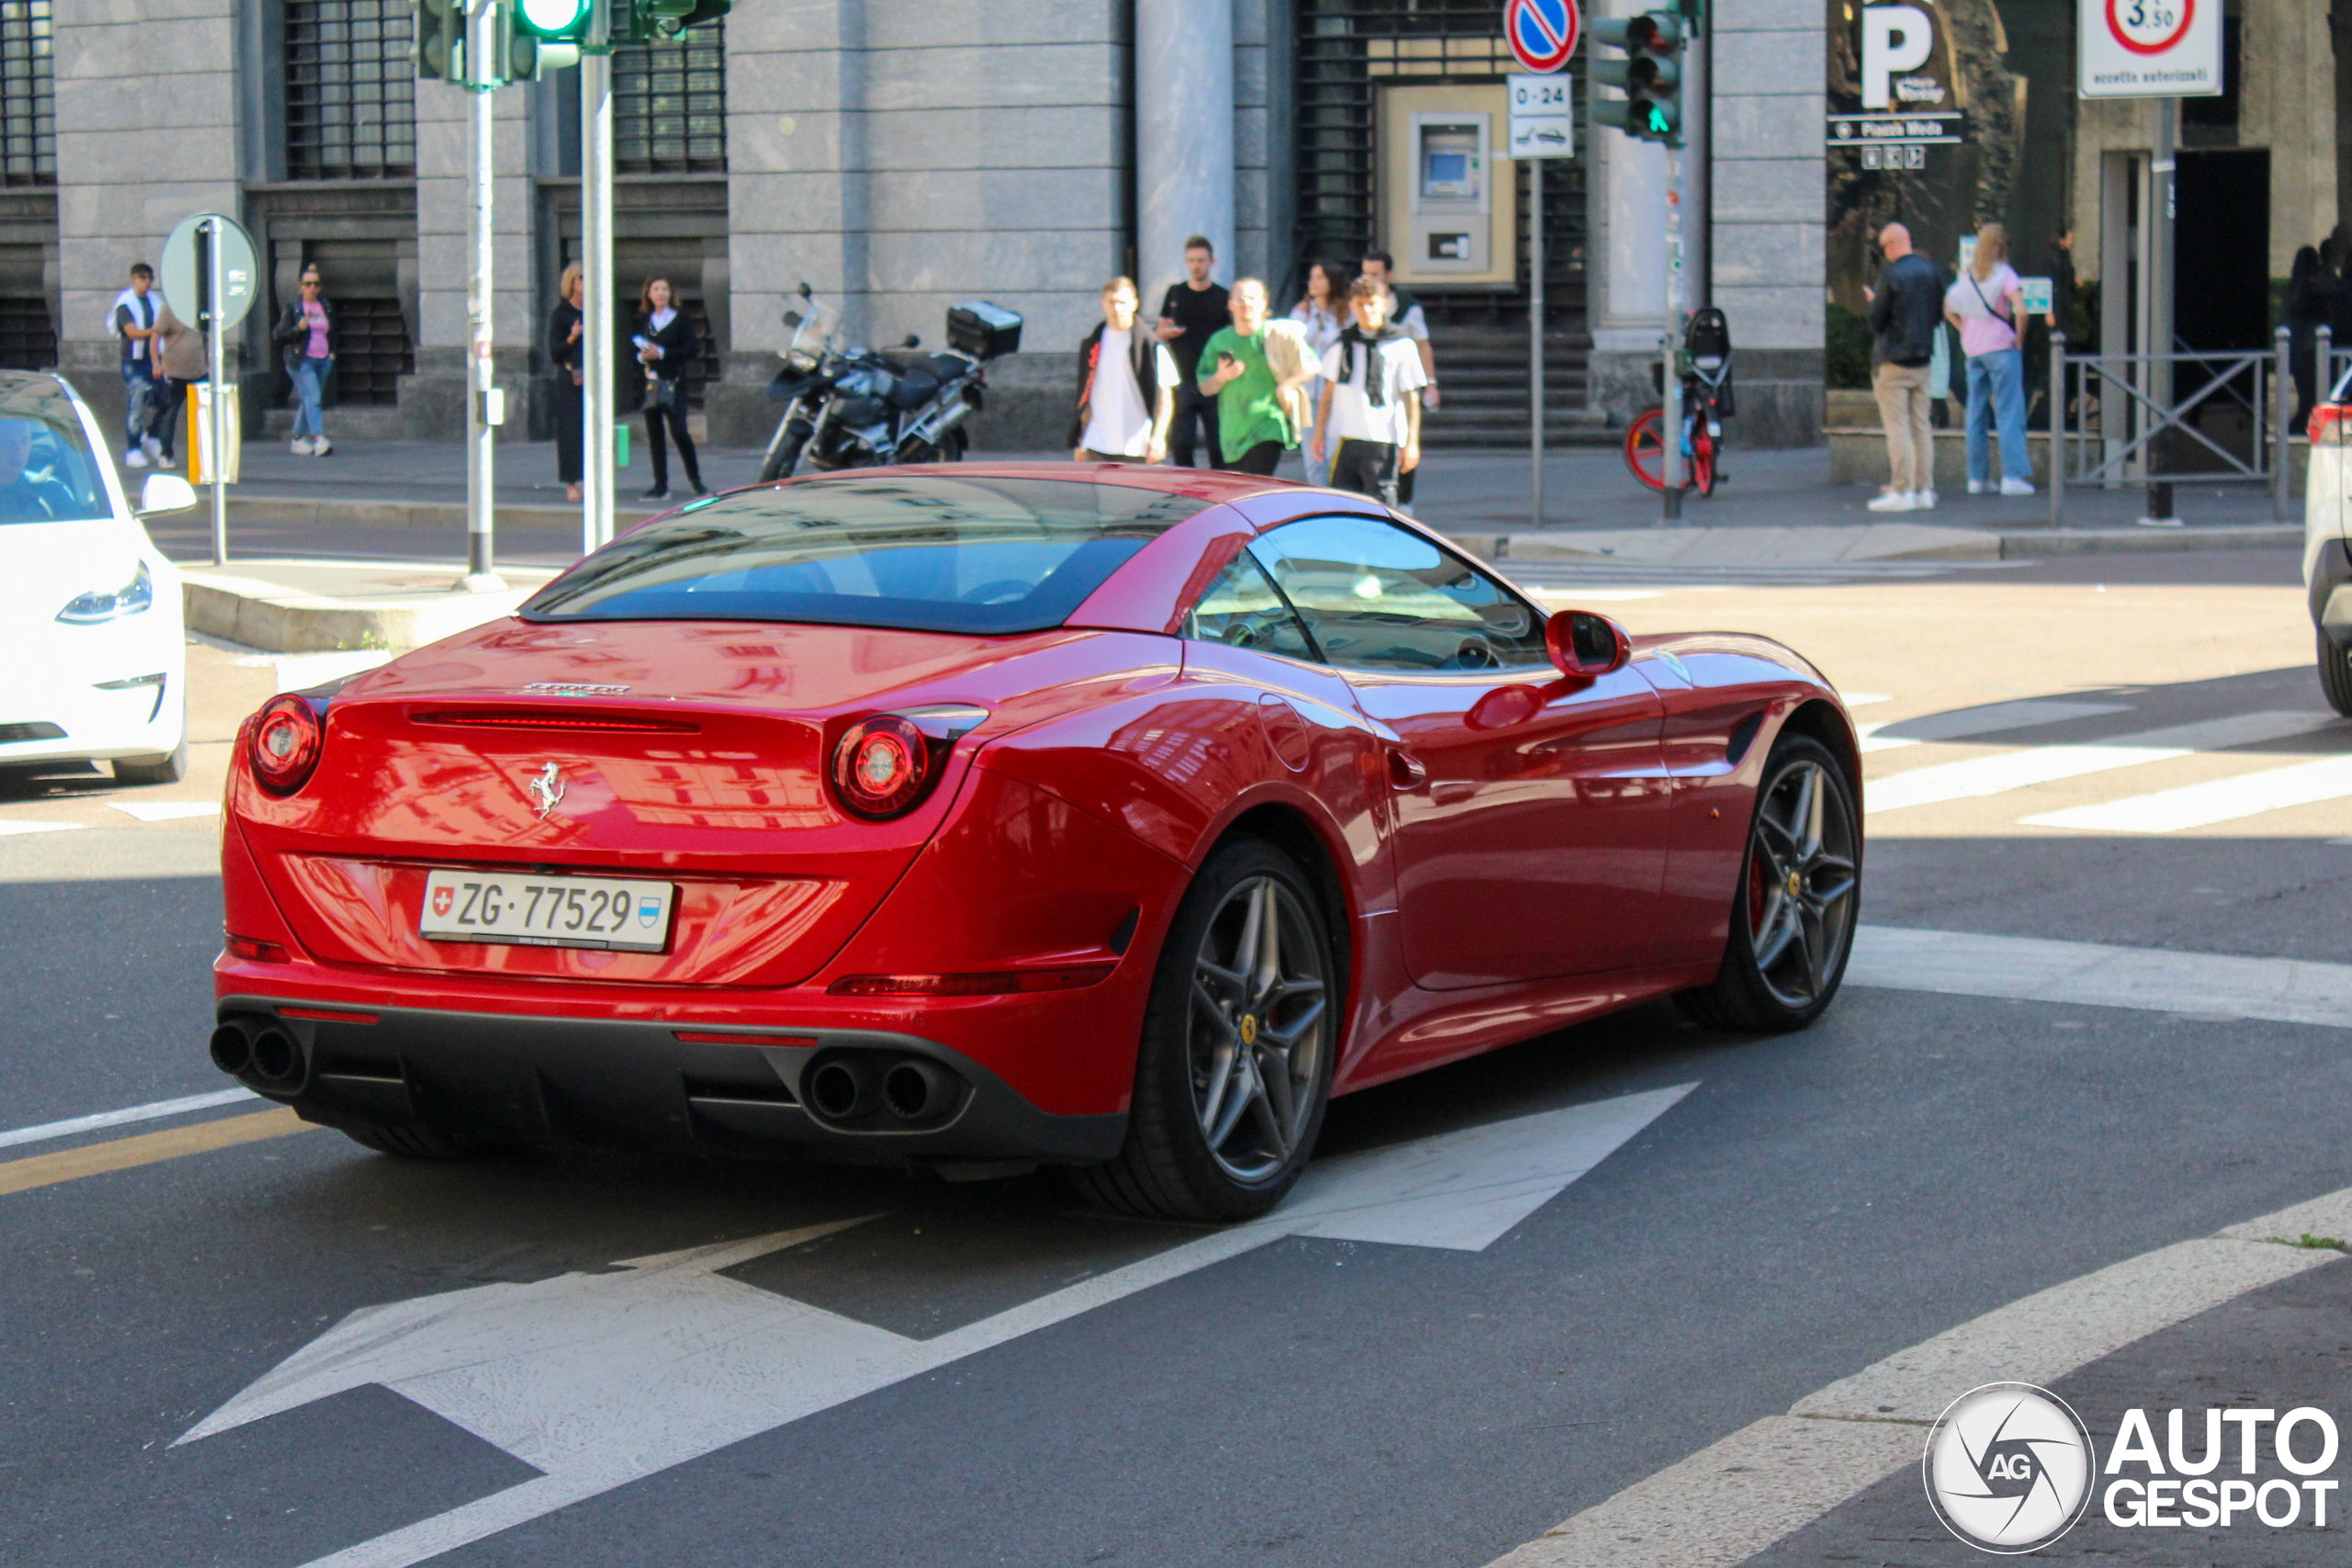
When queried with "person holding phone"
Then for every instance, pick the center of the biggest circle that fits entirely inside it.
(1253, 428)
(666, 346)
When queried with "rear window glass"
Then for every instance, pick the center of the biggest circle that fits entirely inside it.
(47, 472)
(916, 552)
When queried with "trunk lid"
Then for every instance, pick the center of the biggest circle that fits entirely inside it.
(689, 751)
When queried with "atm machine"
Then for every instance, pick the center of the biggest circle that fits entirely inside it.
(1448, 205)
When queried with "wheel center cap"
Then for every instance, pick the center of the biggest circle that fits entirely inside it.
(1249, 1029)
(1796, 882)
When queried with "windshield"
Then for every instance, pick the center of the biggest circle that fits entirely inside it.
(47, 474)
(911, 552)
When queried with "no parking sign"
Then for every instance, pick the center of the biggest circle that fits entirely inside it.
(1542, 33)
(2149, 48)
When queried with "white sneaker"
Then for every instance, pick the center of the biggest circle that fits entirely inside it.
(134, 458)
(1976, 487)
(167, 461)
(1891, 501)
(2017, 487)
(302, 446)
(322, 446)
(1922, 500)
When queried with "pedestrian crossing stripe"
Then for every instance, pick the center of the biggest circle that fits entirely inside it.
(2216, 800)
(1979, 776)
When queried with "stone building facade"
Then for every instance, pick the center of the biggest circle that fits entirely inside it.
(900, 157)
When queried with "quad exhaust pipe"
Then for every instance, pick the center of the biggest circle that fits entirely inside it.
(266, 1052)
(852, 1088)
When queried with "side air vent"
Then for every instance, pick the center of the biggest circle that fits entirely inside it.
(556, 719)
(10, 733)
(1742, 736)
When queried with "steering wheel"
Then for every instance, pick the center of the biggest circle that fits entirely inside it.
(1474, 654)
(1004, 590)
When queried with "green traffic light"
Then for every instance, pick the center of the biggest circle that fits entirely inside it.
(1660, 124)
(565, 19)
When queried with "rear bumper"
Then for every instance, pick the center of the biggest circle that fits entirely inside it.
(540, 1079)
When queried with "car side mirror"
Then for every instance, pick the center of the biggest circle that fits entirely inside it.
(1585, 646)
(164, 492)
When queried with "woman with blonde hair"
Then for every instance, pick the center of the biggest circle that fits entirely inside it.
(1987, 306)
(567, 326)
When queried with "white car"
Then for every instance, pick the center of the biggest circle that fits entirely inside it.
(93, 655)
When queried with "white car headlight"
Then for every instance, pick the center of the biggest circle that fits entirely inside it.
(132, 597)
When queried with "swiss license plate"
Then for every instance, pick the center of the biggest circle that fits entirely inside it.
(547, 911)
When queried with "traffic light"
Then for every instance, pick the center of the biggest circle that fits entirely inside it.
(1650, 74)
(542, 36)
(440, 27)
(658, 21)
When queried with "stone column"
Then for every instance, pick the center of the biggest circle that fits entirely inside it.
(433, 401)
(147, 133)
(1771, 70)
(1184, 136)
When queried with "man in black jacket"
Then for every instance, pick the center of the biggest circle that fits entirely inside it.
(1193, 312)
(1907, 312)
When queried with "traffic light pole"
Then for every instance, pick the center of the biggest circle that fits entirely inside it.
(1671, 344)
(597, 263)
(484, 410)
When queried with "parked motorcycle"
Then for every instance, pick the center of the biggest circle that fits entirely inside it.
(857, 408)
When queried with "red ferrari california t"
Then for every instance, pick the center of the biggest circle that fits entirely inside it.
(995, 814)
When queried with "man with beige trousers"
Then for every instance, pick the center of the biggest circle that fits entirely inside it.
(1907, 312)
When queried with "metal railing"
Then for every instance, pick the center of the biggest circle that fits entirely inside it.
(2119, 419)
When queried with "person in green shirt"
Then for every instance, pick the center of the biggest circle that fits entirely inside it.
(1252, 424)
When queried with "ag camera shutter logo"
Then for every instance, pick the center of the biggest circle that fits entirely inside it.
(2008, 1467)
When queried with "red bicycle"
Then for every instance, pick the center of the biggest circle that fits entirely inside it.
(1645, 448)
(1707, 402)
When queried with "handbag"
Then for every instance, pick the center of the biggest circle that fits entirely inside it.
(659, 393)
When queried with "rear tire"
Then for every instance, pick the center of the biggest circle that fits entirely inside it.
(1794, 913)
(2335, 675)
(412, 1142)
(1234, 1068)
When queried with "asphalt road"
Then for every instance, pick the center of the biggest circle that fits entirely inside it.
(1810, 1204)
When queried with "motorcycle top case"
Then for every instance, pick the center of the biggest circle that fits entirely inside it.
(982, 330)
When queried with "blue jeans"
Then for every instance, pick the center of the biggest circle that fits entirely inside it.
(1996, 397)
(139, 403)
(310, 375)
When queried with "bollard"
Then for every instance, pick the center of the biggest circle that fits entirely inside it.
(2057, 428)
(2282, 417)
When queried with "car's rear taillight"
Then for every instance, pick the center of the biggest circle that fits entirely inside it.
(287, 738)
(884, 766)
(2327, 426)
(881, 768)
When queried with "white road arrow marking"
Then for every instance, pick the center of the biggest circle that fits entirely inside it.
(599, 1380)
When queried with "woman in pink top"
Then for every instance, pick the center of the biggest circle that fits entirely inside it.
(305, 336)
(1988, 306)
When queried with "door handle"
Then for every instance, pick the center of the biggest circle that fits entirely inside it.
(1405, 770)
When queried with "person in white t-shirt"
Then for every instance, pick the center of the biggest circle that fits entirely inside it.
(1987, 306)
(1126, 386)
(1324, 314)
(1369, 421)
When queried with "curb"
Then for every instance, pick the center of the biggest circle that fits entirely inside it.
(275, 618)
(1765, 1481)
(1836, 545)
(339, 513)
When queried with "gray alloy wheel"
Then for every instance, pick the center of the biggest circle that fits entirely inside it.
(1259, 1004)
(1800, 892)
(1234, 1067)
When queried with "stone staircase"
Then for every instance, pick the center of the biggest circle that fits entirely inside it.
(1482, 374)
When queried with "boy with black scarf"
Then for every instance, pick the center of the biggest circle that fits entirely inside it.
(1370, 408)
(1126, 386)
